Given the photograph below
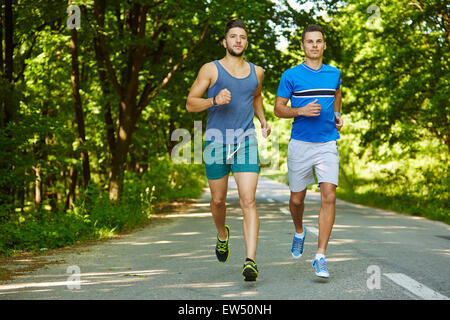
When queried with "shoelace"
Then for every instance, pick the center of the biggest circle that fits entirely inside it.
(222, 246)
(298, 244)
(323, 265)
(252, 264)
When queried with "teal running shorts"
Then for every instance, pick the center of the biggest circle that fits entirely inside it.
(220, 158)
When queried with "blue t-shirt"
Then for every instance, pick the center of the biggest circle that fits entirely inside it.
(303, 85)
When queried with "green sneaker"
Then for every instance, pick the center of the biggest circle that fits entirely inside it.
(222, 251)
(250, 271)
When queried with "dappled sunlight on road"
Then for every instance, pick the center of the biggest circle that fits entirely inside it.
(145, 243)
(445, 252)
(90, 278)
(185, 233)
(176, 260)
(185, 215)
(243, 294)
(202, 285)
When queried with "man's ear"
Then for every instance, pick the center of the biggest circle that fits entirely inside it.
(325, 46)
(224, 42)
(301, 46)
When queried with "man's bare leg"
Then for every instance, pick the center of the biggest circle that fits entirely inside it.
(247, 183)
(327, 215)
(297, 206)
(219, 190)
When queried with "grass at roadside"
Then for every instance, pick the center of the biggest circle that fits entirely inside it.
(434, 209)
(431, 209)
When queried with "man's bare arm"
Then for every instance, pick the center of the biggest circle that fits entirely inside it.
(281, 109)
(257, 98)
(258, 103)
(337, 108)
(337, 100)
(195, 101)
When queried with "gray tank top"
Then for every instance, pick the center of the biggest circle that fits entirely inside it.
(231, 123)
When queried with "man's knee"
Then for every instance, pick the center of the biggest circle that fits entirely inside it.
(218, 202)
(297, 199)
(247, 202)
(329, 195)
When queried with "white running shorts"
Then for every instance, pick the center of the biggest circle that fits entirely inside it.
(303, 156)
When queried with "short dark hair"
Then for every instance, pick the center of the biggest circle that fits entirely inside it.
(237, 23)
(312, 28)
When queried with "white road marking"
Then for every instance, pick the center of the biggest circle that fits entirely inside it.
(285, 211)
(415, 287)
(270, 200)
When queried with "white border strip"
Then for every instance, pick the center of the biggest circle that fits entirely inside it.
(309, 90)
(306, 97)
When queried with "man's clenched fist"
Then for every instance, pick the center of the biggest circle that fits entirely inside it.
(223, 97)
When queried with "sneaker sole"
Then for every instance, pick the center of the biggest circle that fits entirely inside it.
(249, 274)
(296, 257)
(322, 275)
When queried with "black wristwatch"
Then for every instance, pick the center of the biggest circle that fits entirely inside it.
(214, 101)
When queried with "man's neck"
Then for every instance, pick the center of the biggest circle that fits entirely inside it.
(230, 60)
(314, 63)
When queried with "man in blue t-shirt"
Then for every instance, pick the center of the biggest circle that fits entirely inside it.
(314, 91)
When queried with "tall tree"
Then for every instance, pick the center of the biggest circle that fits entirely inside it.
(130, 107)
(395, 56)
(79, 114)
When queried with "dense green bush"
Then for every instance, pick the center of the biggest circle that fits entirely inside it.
(94, 216)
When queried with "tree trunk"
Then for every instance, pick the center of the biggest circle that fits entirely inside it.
(75, 77)
(110, 128)
(1, 39)
(127, 92)
(38, 187)
(9, 51)
(73, 176)
(129, 108)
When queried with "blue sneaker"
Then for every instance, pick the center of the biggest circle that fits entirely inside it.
(320, 267)
(297, 245)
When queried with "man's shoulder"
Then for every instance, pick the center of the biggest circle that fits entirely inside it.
(208, 69)
(259, 70)
(294, 70)
(209, 65)
(331, 68)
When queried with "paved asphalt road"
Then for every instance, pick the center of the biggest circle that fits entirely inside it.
(372, 254)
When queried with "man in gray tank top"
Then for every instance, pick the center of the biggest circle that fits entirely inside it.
(233, 88)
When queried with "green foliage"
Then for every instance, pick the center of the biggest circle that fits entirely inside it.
(395, 83)
(394, 147)
(396, 71)
(387, 177)
(40, 144)
(94, 216)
